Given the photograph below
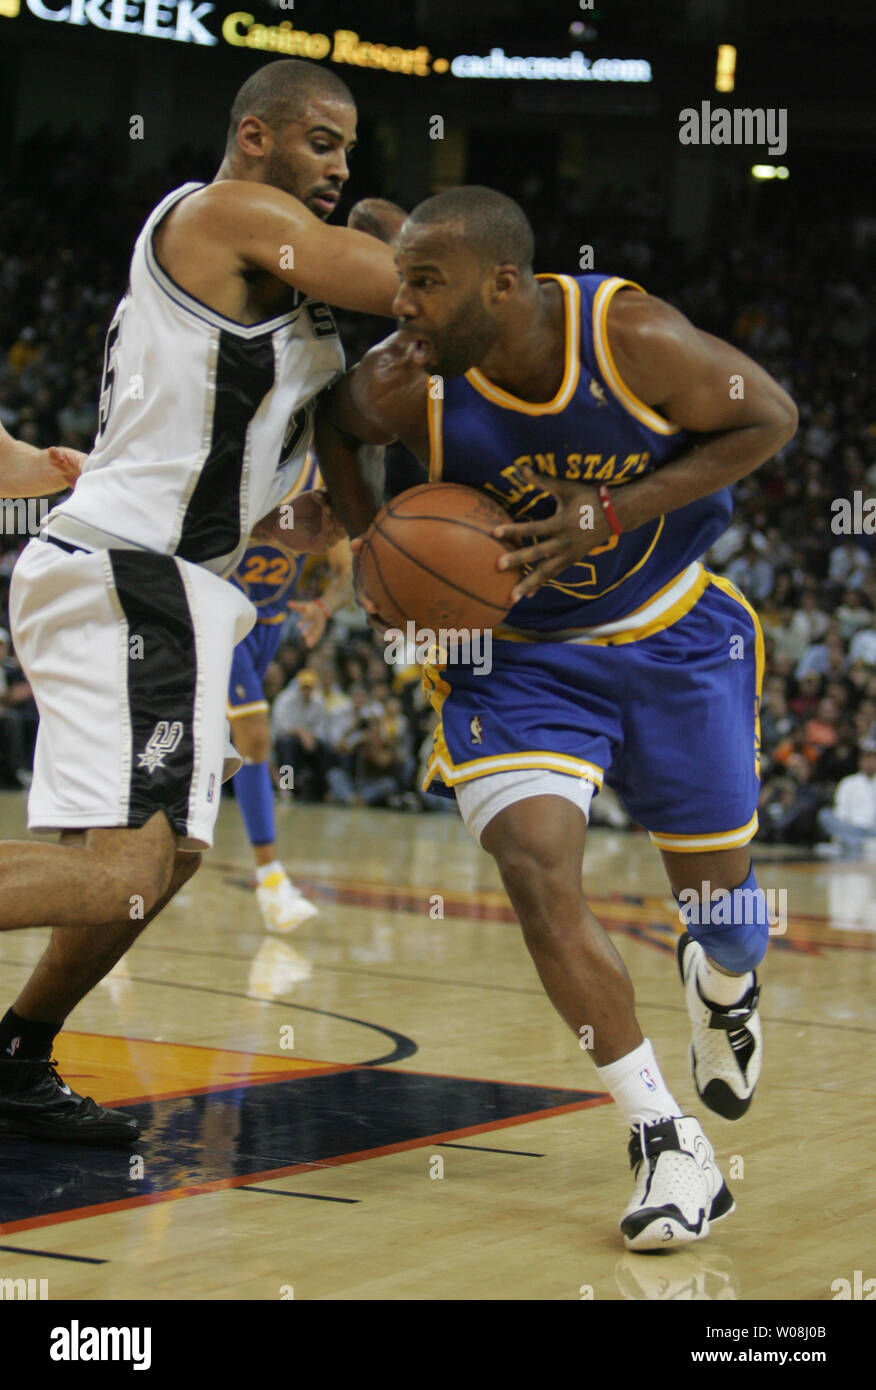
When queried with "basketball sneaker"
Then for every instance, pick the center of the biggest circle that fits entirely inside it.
(726, 1045)
(36, 1104)
(282, 906)
(679, 1188)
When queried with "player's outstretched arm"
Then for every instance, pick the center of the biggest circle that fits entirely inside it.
(697, 382)
(314, 613)
(274, 231)
(382, 399)
(26, 471)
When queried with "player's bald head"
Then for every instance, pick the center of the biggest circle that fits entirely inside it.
(377, 217)
(485, 221)
(280, 92)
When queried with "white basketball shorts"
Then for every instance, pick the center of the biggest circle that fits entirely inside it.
(128, 654)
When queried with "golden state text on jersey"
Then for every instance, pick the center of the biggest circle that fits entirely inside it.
(594, 431)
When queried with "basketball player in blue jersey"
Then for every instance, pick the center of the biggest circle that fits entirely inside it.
(267, 576)
(610, 431)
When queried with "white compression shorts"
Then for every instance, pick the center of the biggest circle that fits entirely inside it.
(481, 799)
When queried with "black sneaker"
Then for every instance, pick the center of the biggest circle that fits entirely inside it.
(36, 1104)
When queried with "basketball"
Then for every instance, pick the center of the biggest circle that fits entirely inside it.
(429, 557)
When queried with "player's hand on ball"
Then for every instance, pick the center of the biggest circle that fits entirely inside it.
(313, 617)
(375, 622)
(560, 539)
(67, 462)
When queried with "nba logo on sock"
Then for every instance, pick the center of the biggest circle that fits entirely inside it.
(648, 1079)
(211, 786)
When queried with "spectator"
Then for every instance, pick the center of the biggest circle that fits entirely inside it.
(788, 804)
(853, 614)
(863, 646)
(851, 823)
(299, 726)
(848, 564)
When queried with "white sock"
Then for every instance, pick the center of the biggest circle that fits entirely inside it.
(637, 1087)
(264, 871)
(719, 988)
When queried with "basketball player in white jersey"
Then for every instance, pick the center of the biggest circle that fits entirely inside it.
(122, 620)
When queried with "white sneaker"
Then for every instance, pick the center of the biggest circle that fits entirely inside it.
(282, 906)
(726, 1044)
(679, 1187)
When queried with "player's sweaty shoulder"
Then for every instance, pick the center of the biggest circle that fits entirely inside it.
(643, 332)
(235, 212)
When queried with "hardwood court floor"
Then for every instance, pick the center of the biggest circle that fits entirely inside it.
(301, 1095)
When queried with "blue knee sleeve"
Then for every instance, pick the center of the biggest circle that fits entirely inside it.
(732, 927)
(252, 787)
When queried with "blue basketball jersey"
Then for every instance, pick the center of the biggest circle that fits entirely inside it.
(266, 574)
(593, 431)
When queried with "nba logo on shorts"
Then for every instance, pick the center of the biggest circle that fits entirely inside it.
(648, 1079)
(477, 729)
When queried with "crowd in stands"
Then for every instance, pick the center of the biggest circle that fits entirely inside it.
(356, 730)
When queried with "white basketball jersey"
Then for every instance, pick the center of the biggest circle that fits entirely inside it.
(204, 423)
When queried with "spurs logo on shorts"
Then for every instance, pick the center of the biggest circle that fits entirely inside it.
(165, 738)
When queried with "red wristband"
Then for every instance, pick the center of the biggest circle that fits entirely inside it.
(325, 613)
(611, 515)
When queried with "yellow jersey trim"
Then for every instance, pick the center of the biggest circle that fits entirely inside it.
(233, 711)
(695, 844)
(728, 587)
(620, 639)
(571, 364)
(638, 409)
(434, 414)
(588, 598)
(298, 485)
(272, 622)
(441, 764)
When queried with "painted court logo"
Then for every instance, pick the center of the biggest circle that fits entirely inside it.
(164, 739)
(75, 1343)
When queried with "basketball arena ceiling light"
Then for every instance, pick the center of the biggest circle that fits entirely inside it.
(769, 171)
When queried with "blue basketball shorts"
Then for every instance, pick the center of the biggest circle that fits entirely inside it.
(663, 709)
(251, 659)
